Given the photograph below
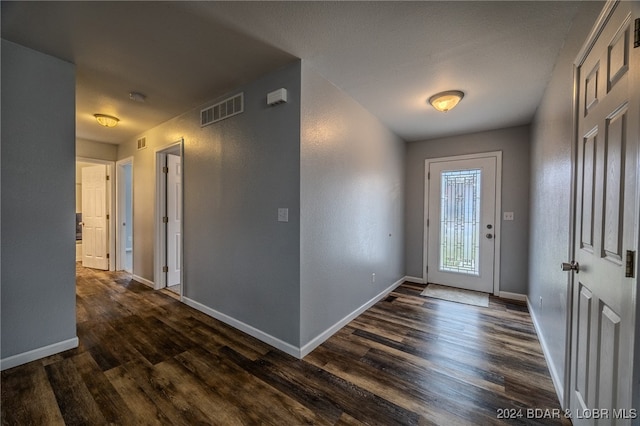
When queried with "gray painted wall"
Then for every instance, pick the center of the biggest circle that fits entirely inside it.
(551, 139)
(352, 197)
(96, 150)
(38, 200)
(238, 259)
(514, 144)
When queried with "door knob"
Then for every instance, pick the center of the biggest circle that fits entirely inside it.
(573, 266)
(489, 236)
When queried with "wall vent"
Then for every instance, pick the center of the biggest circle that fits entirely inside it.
(222, 110)
(142, 143)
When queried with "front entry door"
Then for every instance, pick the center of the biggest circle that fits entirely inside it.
(603, 302)
(461, 226)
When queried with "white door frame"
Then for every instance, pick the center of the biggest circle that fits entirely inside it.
(110, 207)
(497, 221)
(120, 214)
(160, 242)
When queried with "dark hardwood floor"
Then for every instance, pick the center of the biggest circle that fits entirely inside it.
(147, 359)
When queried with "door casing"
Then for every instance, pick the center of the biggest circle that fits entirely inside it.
(110, 205)
(160, 243)
(120, 211)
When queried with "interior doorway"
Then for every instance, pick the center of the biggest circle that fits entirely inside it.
(124, 215)
(94, 212)
(462, 226)
(169, 223)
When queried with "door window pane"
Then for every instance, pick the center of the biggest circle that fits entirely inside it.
(460, 221)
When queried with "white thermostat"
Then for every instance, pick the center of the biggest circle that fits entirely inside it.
(277, 97)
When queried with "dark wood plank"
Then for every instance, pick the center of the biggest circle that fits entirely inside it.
(146, 358)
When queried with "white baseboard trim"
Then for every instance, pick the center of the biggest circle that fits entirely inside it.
(513, 296)
(143, 280)
(416, 280)
(35, 354)
(555, 378)
(246, 328)
(318, 340)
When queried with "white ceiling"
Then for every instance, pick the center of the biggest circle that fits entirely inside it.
(389, 56)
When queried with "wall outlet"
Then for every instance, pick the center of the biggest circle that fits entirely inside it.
(373, 278)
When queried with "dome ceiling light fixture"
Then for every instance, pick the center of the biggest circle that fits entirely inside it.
(106, 120)
(445, 101)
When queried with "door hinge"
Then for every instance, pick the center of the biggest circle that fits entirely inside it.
(165, 269)
(165, 219)
(427, 223)
(428, 175)
(108, 177)
(165, 170)
(107, 255)
(107, 217)
(630, 266)
(636, 37)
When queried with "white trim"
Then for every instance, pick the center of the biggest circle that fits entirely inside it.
(119, 208)
(280, 344)
(319, 339)
(555, 378)
(35, 354)
(246, 328)
(497, 219)
(417, 280)
(159, 245)
(143, 281)
(513, 296)
(111, 188)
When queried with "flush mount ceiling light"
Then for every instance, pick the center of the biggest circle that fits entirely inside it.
(445, 101)
(106, 120)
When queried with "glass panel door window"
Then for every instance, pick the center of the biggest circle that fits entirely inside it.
(460, 221)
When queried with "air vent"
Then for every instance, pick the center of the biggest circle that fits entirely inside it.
(225, 109)
(142, 143)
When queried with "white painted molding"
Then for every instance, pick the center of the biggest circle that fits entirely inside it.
(417, 280)
(246, 328)
(318, 340)
(513, 296)
(555, 378)
(35, 354)
(143, 281)
(280, 344)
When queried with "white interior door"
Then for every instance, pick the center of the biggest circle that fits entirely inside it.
(174, 219)
(606, 225)
(94, 217)
(461, 224)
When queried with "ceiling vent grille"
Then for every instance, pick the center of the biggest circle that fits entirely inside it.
(142, 143)
(222, 110)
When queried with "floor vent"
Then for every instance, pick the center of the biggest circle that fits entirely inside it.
(222, 110)
(142, 143)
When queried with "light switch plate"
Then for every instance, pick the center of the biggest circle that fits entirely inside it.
(507, 216)
(283, 215)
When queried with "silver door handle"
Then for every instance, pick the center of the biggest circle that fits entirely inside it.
(573, 266)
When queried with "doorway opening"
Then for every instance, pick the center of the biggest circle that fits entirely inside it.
(124, 215)
(462, 221)
(94, 210)
(168, 218)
